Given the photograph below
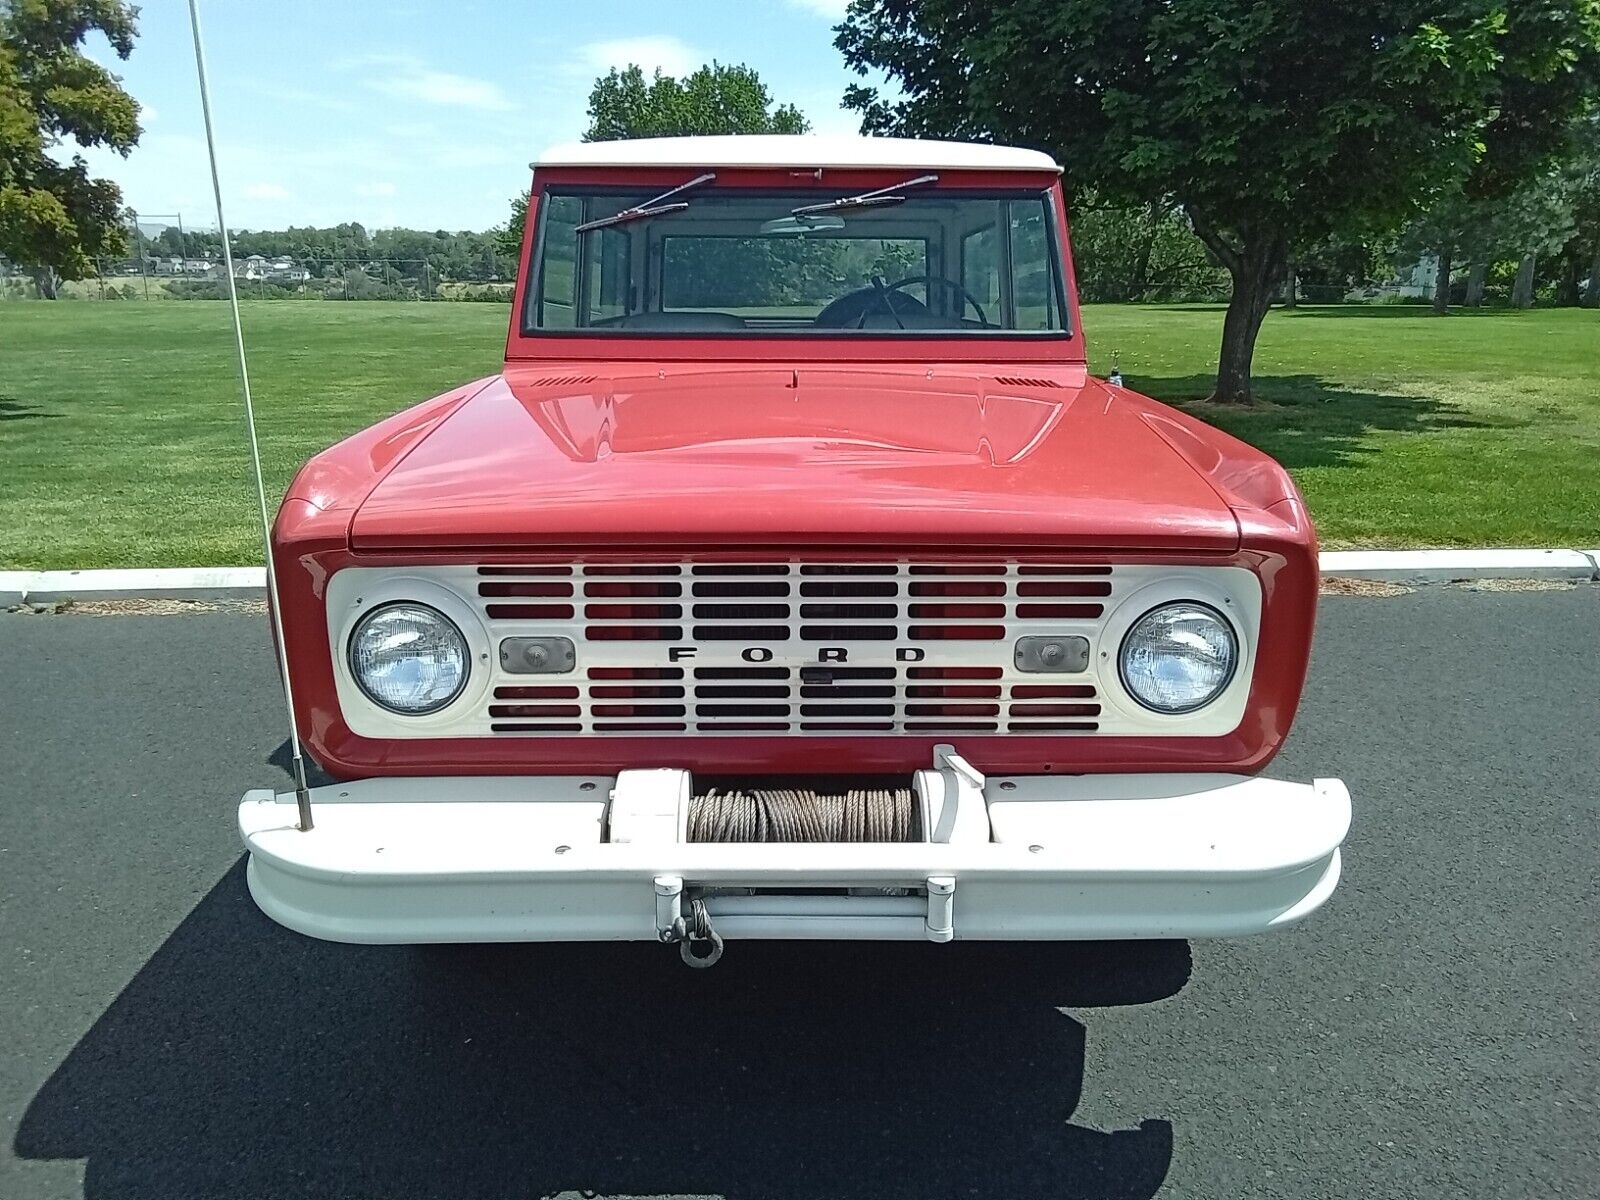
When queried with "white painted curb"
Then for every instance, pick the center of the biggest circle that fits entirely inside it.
(250, 583)
(1442, 566)
(171, 583)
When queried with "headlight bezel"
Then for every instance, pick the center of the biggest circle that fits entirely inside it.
(353, 592)
(356, 677)
(1236, 656)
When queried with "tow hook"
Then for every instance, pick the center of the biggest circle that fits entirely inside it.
(700, 934)
(699, 945)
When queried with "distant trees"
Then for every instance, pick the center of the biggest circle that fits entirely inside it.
(1577, 263)
(55, 219)
(1550, 220)
(1128, 253)
(423, 258)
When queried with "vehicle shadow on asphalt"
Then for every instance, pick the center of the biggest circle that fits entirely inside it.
(246, 1061)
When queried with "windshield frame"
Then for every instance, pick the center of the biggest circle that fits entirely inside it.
(1041, 188)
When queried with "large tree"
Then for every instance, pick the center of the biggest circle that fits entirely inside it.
(714, 99)
(54, 218)
(1274, 123)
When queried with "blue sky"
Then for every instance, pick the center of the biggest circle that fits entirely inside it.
(421, 113)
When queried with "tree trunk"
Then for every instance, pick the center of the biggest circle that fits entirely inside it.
(1567, 282)
(1291, 285)
(1592, 300)
(1139, 285)
(1441, 283)
(1477, 277)
(47, 281)
(1256, 262)
(1522, 290)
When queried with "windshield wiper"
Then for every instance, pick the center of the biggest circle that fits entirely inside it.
(873, 199)
(650, 208)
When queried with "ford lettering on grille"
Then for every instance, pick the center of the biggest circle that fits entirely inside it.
(804, 647)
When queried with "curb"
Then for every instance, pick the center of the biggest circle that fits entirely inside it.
(170, 583)
(1445, 566)
(250, 583)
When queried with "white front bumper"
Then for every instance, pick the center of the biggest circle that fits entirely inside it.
(1066, 857)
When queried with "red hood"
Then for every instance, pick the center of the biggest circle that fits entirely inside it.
(886, 455)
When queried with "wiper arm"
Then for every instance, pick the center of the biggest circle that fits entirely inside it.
(873, 199)
(653, 207)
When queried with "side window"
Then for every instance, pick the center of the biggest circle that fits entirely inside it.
(980, 268)
(583, 278)
(1033, 275)
(607, 267)
(558, 270)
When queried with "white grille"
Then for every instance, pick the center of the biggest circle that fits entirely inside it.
(817, 648)
(780, 648)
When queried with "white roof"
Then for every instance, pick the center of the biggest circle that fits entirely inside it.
(796, 150)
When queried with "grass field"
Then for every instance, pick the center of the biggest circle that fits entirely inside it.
(121, 440)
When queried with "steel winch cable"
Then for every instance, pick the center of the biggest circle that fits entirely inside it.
(803, 815)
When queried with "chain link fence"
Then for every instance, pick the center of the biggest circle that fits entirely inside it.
(284, 279)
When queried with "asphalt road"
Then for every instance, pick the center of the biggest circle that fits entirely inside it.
(1430, 1034)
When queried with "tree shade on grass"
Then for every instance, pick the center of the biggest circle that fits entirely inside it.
(122, 441)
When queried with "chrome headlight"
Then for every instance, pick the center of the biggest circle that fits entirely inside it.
(1178, 657)
(409, 658)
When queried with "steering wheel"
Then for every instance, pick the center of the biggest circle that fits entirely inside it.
(950, 285)
(855, 307)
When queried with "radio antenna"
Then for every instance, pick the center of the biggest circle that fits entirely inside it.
(302, 793)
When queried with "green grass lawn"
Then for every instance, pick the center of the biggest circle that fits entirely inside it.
(122, 443)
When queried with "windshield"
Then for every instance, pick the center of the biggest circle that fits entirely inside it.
(740, 261)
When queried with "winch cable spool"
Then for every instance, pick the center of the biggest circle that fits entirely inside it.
(804, 815)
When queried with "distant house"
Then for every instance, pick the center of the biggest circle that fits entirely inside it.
(196, 266)
(1418, 280)
(1415, 282)
(278, 270)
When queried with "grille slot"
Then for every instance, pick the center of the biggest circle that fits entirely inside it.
(812, 648)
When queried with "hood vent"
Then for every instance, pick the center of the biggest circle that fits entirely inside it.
(1024, 381)
(562, 381)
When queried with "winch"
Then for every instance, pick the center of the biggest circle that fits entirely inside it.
(943, 804)
(804, 815)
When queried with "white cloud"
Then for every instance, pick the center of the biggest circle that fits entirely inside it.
(671, 55)
(264, 191)
(832, 10)
(148, 115)
(287, 95)
(408, 77)
(413, 82)
(380, 187)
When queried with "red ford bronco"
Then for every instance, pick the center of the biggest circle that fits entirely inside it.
(793, 579)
